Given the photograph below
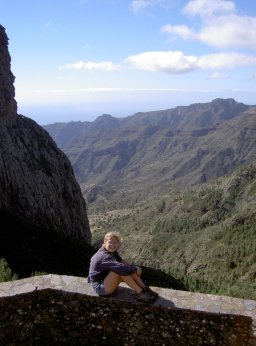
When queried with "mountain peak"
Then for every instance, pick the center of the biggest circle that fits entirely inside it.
(106, 121)
(7, 92)
(104, 116)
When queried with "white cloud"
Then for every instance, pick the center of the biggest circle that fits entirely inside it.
(140, 5)
(171, 62)
(177, 62)
(231, 31)
(225, 60)
(106, 66)
(221, 26)
(206, 8)
(217, 75)
(179, 30)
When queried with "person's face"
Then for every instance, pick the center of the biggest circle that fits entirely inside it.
(111, 244)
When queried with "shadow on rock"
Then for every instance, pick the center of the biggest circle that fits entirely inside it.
(158, 278)
(127, 294)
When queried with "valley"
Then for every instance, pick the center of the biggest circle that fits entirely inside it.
(180, 187)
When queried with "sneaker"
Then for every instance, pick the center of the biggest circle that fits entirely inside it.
(148, 290)
(144, 297)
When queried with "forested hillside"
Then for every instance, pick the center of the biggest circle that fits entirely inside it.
(204, 236)
(180, 186)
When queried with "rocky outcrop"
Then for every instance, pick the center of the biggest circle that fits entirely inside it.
(7, 102)
(44, 224)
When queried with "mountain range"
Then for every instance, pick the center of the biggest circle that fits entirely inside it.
(153, 152)
(180, 187)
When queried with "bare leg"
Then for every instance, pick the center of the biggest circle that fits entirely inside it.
(138, 280)
(112, 280)
(130, 281)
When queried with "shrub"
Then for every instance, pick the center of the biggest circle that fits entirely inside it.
(5, 272)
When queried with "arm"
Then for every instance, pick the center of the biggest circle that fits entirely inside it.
(109, 263)
(138, 271)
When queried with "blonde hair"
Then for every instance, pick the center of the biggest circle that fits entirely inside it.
(113, 235)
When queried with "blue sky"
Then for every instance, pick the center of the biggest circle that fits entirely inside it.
(77, 59)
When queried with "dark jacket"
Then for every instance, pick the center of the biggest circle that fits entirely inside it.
(103, 261)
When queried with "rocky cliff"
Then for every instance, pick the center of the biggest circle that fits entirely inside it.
(44, 224)
(8, 104)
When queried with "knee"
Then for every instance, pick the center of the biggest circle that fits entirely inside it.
(115, 274)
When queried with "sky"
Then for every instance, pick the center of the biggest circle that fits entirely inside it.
(75, 60)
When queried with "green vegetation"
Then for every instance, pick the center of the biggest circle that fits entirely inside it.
(134, 171)
(5, 272)
(204, 237)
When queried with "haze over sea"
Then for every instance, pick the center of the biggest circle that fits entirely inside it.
(74, 60)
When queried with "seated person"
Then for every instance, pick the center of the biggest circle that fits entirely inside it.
(107, 270)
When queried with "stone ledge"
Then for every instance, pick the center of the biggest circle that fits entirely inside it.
(55, 317)
(232, 319)
(168, 298)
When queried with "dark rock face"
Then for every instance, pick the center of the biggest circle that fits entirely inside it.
(44, 224)
(7, 102)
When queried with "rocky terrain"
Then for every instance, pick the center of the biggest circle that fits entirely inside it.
(155, 152)
(43, 218)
